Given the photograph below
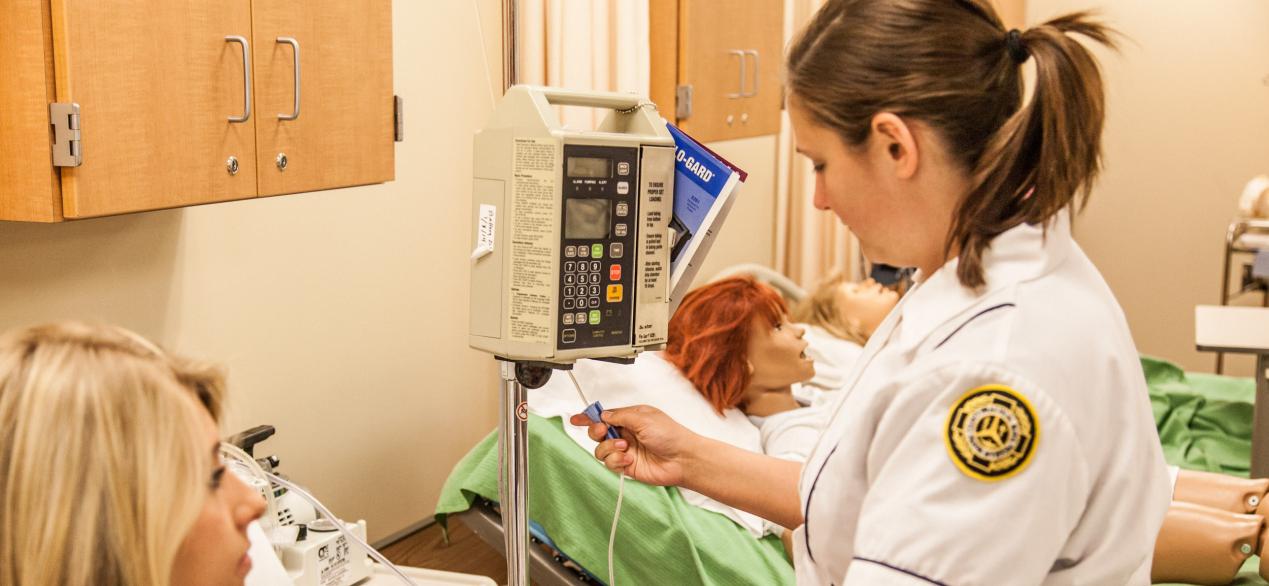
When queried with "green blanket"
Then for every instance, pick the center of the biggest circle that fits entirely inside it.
(660, 538)
(1204, 422)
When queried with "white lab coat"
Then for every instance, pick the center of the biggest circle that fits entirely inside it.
(886, 500)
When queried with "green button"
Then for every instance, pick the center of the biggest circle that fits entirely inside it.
(597, 251)
(594, 314)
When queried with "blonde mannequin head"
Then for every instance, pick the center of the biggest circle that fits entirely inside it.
(848, 310)
(102, 439)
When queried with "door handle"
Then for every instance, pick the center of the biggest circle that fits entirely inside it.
(246, 78)
(295, 52)
(741, 88)
(754, 79)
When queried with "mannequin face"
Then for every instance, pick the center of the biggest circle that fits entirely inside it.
(777, 354)
(214, 553)
(865, 304)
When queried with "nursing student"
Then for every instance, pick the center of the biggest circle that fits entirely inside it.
(996, 428)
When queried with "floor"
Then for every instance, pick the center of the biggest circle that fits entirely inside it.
(465, 552)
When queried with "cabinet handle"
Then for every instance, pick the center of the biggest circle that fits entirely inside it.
(741, 55)
(754, 80)
(246, 78)
(295, 51)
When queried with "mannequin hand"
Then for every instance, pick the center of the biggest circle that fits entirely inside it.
(652, 448)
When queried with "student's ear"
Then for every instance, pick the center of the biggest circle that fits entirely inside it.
(899, 143)
(749, 367)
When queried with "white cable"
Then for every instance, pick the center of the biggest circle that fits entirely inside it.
(340, 525)
(585, 401)
(240, 456)
(484, 55)
(612, 536)
(621, 491)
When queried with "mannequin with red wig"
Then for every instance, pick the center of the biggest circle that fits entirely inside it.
(732, 339)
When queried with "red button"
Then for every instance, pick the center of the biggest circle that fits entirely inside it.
(614, 273)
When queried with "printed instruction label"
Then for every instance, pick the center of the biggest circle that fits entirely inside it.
(532, 227)
(656, 175)
(333, 562)
(485, 231)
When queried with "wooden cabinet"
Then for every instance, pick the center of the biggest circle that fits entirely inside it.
(344, 132)
(716, 65)
(179, 102)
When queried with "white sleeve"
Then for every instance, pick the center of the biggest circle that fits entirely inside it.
(975, 477)
(792, 435)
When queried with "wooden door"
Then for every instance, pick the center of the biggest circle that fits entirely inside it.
(730, 52)
(28, 186)
(156, 83)
(343, 134)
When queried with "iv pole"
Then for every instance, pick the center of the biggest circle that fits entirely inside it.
(513, 486)
(513, 448)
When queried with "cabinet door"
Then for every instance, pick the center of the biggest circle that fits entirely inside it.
(343, 134)
(156, 83)
(730, 53)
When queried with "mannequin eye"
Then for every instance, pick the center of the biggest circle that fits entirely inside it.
(819, 168)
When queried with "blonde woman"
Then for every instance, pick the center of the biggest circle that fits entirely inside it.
(109, 465)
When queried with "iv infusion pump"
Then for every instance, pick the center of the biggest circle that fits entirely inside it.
(571, 240)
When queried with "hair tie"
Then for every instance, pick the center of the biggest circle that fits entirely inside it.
(1017, 49)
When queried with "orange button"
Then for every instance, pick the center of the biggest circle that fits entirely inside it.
(614, 273)
(614, 293)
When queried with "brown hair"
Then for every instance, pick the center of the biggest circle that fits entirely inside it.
(952, 65)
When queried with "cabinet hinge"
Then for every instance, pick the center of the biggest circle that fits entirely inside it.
(67, 150)
(683, 101)
(398, 118)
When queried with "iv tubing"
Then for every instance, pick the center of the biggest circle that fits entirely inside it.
(621, 491)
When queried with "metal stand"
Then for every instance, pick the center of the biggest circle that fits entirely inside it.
(1242, 330)
(513, 460)
(1260, 421)
(1234, 244)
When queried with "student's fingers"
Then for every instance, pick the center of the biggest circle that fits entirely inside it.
(609, 447)
(636, 417)
(616, 462)
(597, 431)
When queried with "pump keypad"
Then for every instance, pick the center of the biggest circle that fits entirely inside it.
(596, 288)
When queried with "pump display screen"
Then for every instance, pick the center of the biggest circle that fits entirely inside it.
(589, 167)
(587, 218)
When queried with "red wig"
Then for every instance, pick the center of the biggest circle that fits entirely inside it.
(709, 335)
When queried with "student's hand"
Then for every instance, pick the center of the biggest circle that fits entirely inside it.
(653, 447)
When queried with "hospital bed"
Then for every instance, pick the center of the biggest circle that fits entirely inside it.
(1204, 422)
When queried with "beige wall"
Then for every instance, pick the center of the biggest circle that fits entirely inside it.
(1187, 127)
(748, 235)
(341, 315)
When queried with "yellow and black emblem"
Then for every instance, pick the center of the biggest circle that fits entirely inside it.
(992, 432)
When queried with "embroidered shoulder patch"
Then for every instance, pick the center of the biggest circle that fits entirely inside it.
(992, 432)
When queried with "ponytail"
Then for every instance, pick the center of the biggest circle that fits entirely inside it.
(1045, 157)
(953, 66)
